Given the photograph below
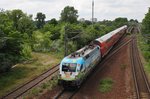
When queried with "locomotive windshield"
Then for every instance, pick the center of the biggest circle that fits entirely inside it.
(69, 67)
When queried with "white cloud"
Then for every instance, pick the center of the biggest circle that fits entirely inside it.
(104, 9)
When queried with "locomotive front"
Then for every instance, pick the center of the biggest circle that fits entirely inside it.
(69, 71)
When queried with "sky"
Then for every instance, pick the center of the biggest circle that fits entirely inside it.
(103, 9)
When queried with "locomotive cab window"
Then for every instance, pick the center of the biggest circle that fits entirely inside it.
(64, 68)
(69, 67)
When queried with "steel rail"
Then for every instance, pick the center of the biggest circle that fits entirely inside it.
(30, 84)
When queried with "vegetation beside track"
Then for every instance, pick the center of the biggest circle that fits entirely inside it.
(144, 47)
(105, 85)
(144, 40)
(46, 86)
(26, 71)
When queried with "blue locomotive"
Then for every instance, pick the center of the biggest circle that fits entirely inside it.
(75, 67)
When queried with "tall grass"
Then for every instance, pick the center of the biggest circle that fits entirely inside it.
(145, 49)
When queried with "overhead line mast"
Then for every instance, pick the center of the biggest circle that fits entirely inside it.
(92, 12)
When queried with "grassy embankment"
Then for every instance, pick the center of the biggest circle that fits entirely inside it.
(144, 48)
(24, 72)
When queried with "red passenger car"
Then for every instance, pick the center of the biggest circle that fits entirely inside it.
(107, 41)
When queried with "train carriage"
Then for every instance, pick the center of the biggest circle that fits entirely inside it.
(107, 41)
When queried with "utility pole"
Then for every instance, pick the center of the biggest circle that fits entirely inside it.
(66, 39)
(92, 12)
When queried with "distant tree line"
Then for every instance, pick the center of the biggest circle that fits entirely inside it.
(146, 23)
(20, 34)
(146, 33)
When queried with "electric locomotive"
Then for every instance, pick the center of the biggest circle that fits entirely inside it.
(75, 67)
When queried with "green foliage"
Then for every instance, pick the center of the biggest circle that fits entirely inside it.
(146, 23)
(145, 42)
(26, 51)
(6, 62)
(55, 30)
(40, 20)
(15, 27)
(53, 22)
(6, 24)
(14, 42)
(73, 34)
(105, 85)
(41, 42)
(120, 22)
(145, 49)
(71, 30)
(15, 16)
(26, 25)
(36, 91)
(56, 46)
(69, 14)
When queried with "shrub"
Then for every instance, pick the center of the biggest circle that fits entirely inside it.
(41, 41)
(105, 85)
(26, 51)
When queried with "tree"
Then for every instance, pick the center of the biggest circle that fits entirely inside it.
(40, 20)
(10, 52)
(53, 21)
(16, 15)
(15, 27)
(21, 21)
(26, 25)
(70, 35)
(69, 14)
(54, 30)
(146, 23)
(120, 22)
(6, 24)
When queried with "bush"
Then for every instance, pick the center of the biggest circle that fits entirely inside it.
(6, 62)
(41, 41)
(26, 51)
(105, 85)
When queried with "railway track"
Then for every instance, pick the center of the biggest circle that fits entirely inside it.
(65, 94)
(142, 88)
(27, 86)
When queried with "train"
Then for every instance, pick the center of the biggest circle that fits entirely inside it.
(75, 68)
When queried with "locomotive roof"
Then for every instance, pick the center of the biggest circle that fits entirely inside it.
(83, 51)
(110, 34)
